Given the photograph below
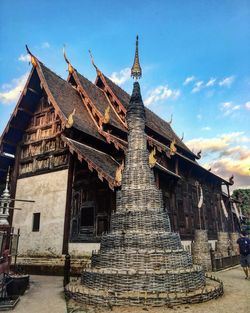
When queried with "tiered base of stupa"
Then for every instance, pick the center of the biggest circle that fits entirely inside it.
(142, 262)
(105, 297)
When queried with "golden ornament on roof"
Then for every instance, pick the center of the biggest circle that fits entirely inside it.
(70, 67)
(173, 148)
(151, 158)
(106, 117)
(93, 62)
(70, 120)
(118, 173)
(136, 71)
(32, 57)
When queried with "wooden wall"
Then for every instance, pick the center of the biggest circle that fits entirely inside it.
(41, 148)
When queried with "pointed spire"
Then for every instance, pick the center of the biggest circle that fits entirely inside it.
(5, 202)
(136, 71)
(33, 58)
(93, 62)
(70, 67)
(7, 180)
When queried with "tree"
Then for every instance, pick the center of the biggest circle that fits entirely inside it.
(243, 195)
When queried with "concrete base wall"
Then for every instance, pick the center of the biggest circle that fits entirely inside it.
(49, 193)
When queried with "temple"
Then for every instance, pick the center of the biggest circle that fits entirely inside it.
(66, 143)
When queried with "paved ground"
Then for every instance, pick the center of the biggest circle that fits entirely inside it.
(45, 295)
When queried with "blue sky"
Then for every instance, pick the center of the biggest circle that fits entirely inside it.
(194, 56)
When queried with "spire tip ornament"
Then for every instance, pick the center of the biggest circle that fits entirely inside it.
(93, 62)
(33, 58)
(70, 67)
(136, 71)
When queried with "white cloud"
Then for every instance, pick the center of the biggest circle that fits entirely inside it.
(247, 105)
(227, 82)
(45, 45)
(206, 128)
(188, 80)
(218, 143)
(227, 154)
(161, 93)
(24, 58)
(197, 86)
(121, 77)
(228, 108)
(211, 82)
(9, 93)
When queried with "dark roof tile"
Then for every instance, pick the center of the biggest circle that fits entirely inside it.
(68, 99)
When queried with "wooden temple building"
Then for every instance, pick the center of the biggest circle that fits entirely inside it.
(65, 144)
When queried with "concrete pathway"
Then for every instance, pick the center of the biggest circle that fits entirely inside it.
(45, 295)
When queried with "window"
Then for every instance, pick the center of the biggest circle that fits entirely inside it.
(36, 222)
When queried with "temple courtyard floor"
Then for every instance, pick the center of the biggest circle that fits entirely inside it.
(46, 296)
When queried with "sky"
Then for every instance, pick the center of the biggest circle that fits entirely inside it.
(194, 57)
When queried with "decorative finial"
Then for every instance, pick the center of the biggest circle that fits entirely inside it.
(5, 202)
(118, 173)
(173, 148)
(151, 158)
(70, 120)
(182, 137)
(171, 119)
(106, 117)
(70, 67)
(199, 154)
(136, 71)
(231, 180)
(93, 62)
(33, 58)
(7, 179)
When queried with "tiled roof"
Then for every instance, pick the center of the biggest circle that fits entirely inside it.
(103, 163)
(98, 97)
(69, 99)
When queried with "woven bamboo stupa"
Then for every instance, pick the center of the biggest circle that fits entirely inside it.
(141, 261)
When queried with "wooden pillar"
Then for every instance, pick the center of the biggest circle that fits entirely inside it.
(230, 207)
(13, 181)
(176, 165)
(67, 215)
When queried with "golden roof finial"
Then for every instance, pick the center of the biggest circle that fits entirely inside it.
(70, 67)
(70, 119)
(173, 148)
(93, 62)
(118, 173)
(106, 117)
(136, 71)
(151, 158)
(33, 58)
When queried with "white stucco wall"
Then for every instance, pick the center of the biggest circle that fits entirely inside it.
(83, 249)
(49, 191)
